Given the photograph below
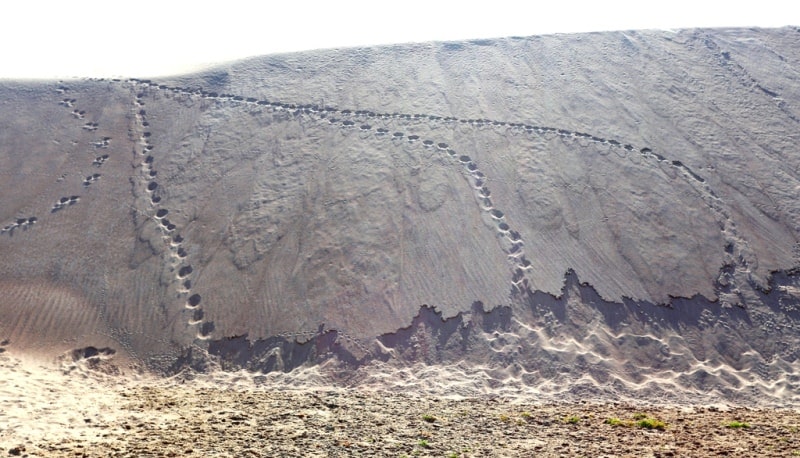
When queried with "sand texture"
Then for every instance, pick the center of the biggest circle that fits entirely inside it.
(611, 215)
(78, 411)
(235, 416)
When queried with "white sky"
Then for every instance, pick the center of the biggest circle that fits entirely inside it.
(80, 38)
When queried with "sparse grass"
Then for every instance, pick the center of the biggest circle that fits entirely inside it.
(424, 443)
(504, 418)
(429, 418)
(617, 422)
(639, 416)
(737, 424)
(525, 415)
(572, 420)
(651, 423)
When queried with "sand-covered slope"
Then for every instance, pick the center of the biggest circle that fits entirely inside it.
(612, 212)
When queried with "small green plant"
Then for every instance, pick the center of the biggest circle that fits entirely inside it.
(618, 422)
(651, 423)
(504, 418)
(525, 415)
(452, 455)
(639, 416)
(737, 424)
(429, 418)
(572, 420)
(424, 443)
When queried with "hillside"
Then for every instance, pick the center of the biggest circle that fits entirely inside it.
(613, 214)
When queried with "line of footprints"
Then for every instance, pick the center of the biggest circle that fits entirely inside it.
(184, 270)
(66, 201)
(175, 241)
(510, 239)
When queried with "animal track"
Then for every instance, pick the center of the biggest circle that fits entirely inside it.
(176, 241)
(64, 202)
(100, 160)
(19, 223)
(102, 143)
(510, 240)
(91, 179)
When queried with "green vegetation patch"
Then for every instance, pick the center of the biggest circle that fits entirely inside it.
(735, 424)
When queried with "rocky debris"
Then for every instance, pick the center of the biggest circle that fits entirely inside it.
(199, 421)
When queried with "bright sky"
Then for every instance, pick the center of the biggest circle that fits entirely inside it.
(103, 38)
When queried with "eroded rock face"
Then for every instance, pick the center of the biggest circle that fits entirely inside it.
(329, 199)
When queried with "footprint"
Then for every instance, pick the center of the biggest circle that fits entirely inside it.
(197, 317)
(205, 330)
(23, 223)
(193, 301)
(185, 271)
(91, 179)
(169, 227)
(102, 143)
(100, 160)
(63, 202)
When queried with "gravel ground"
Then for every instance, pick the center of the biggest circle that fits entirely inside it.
(183, 421)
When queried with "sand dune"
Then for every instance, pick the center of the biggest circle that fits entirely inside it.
(612, 215)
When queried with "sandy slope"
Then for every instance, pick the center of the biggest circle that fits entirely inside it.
(613, 214)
